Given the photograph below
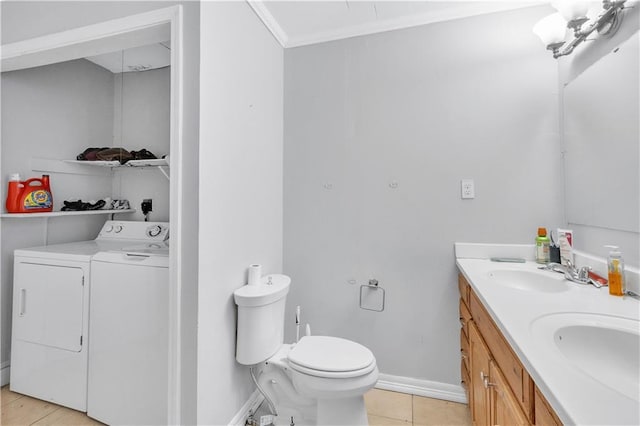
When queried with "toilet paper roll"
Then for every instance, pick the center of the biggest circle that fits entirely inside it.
(255, 273)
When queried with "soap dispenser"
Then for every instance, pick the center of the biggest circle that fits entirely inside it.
(615, 267)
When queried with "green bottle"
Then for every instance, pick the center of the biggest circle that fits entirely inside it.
(542, 246)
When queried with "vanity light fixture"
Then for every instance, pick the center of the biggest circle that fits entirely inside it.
(572, 15)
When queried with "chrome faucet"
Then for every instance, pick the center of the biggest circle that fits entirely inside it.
(573, 274)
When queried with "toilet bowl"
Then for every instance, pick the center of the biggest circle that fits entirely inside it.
(322, 379)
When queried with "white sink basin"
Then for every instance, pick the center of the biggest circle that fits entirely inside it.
(538, 281)
(606, 348)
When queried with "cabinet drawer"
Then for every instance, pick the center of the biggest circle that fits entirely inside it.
(515, 374)
(544, 414)
(464, 349)
(463, 287)
(465, 317)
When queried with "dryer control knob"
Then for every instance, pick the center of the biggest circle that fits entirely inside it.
(108, 228)
(154, 230)
(118, 228)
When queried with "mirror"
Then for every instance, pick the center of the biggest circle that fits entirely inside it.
(601, 108)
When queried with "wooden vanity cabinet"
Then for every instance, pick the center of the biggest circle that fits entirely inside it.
(499, 389)
(480, 361)
(504, 407)
(544, 413)
(465, 318)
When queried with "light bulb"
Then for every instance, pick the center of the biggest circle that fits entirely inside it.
(571, 9)
(551, 29)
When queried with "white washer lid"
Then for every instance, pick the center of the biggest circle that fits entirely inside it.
(325, 353)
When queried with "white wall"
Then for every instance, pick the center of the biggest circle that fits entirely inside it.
(141, 120)
(23, 20)
(51, 112)
(240, 189)
(390, 123)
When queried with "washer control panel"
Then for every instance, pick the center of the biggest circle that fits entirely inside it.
(129, 230)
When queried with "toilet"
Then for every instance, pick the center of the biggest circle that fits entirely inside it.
(320, 380)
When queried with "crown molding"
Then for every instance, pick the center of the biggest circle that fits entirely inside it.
(379, 26)
(269, 21)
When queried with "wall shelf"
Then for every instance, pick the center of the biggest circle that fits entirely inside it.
(66, 213)
(158, 162)
(96, 167)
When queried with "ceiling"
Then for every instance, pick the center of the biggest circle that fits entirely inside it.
(30, 53)
(298, 23)
(292, 22)
(143, 58)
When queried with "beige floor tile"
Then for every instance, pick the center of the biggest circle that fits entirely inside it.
(25, 411)
(392, 405)
(428, 411)
(6, 396)
(67, 417)
(385, 421)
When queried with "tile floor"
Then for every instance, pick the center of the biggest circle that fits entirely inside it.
(385, 408)
(20, 410)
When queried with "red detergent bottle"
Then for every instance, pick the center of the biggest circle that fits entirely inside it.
(13, 192)
(30, 196)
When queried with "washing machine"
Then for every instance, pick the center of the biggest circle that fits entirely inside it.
(51, 298)
(128, 377)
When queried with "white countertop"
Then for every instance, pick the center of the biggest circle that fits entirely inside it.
(576, 397)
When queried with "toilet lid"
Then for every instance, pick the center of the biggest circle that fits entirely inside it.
(330, 354)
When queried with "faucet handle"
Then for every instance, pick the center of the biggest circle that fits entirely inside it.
(583, 273)
(568, 263)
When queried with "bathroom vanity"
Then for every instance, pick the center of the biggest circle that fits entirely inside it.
(498, 387)
(537, 349)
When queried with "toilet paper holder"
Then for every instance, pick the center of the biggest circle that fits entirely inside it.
(372, 296)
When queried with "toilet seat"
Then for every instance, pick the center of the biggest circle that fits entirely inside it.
(331, 357)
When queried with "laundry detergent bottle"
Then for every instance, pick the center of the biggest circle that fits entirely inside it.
(33, 195)
(13, 193)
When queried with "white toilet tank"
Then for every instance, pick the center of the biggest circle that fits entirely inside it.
(261, 318)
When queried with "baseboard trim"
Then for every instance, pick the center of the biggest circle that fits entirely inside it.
(251, 405)
(5, 369)
(427, 388)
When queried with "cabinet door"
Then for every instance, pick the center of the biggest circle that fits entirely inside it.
(545, 416)
(480, 359)
(505, 409)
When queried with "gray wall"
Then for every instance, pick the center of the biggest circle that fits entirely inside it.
(379, 130)
(51, 112)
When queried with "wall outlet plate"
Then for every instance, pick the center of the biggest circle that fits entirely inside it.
(467, 189)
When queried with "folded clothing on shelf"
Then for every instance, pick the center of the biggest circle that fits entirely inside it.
(114, 154)
(79, 205)
(106, 204)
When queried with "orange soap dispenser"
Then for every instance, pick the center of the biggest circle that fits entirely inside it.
(615, 266)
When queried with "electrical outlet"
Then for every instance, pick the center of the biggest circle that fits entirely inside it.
(146, 206)
(467, 188)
